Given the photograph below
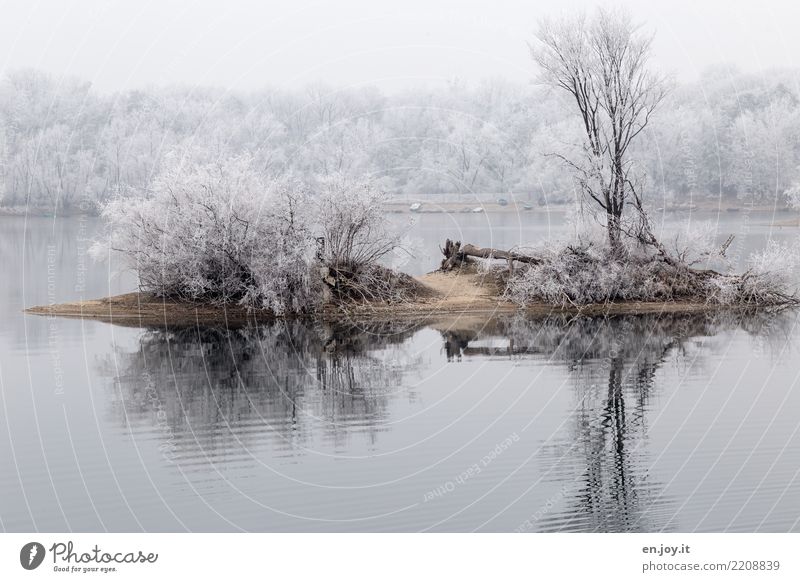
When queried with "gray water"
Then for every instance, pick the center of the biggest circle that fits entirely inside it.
(647, 423)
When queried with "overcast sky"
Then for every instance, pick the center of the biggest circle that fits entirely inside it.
(250, 44)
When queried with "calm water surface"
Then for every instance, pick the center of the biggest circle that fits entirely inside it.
(647, 423)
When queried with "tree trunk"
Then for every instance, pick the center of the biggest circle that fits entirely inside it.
(456, 255)
(614, 228)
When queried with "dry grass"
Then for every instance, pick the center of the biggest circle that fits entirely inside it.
(442, 296)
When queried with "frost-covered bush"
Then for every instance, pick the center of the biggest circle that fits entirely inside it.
(694, 244)
(354, 237)
(219, 232)
(771, 278)
(352, 222)
(588, 273)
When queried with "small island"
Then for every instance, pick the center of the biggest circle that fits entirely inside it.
(451, 295)
(215, 239)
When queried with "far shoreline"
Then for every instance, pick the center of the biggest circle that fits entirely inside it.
(432, 206)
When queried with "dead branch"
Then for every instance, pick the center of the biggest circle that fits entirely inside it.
(456, 255)
(725, 246)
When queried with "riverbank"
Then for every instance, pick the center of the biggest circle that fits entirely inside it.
(450, 294)
(428, 205)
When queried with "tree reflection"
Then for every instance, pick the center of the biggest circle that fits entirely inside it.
(287, 378)
(603, 465)
(216, 391)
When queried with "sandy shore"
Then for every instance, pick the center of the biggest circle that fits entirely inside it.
(451, 294)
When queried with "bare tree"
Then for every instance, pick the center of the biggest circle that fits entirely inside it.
(602, 62)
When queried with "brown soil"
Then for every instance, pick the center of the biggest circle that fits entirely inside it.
(144, 309)
(466, 294)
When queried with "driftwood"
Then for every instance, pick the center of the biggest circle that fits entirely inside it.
(456, 255)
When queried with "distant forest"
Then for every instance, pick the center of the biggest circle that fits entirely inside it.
(730, 136)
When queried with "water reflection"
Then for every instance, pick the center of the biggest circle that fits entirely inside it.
(282, 378)
(291, 383)
(604, 469)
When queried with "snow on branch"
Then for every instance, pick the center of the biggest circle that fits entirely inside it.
(221, 232)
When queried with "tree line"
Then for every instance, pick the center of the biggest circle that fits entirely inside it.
(730, 136)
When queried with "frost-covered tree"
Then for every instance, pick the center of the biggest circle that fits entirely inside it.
(730, 137)
(602, 63)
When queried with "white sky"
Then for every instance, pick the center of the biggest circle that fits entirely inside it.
(249, 44)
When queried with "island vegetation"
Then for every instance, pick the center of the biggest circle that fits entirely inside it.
(217, 229)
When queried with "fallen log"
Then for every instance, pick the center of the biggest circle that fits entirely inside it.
(456, 255)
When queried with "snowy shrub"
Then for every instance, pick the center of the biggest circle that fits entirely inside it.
(217, 232)
(354, 238)
(352, 222)
(695, 243)
(771, 278)
(590, 273)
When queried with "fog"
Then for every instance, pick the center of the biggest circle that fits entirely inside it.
(261, 193)
(425, 98)
(392, 45)
(728, 140)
